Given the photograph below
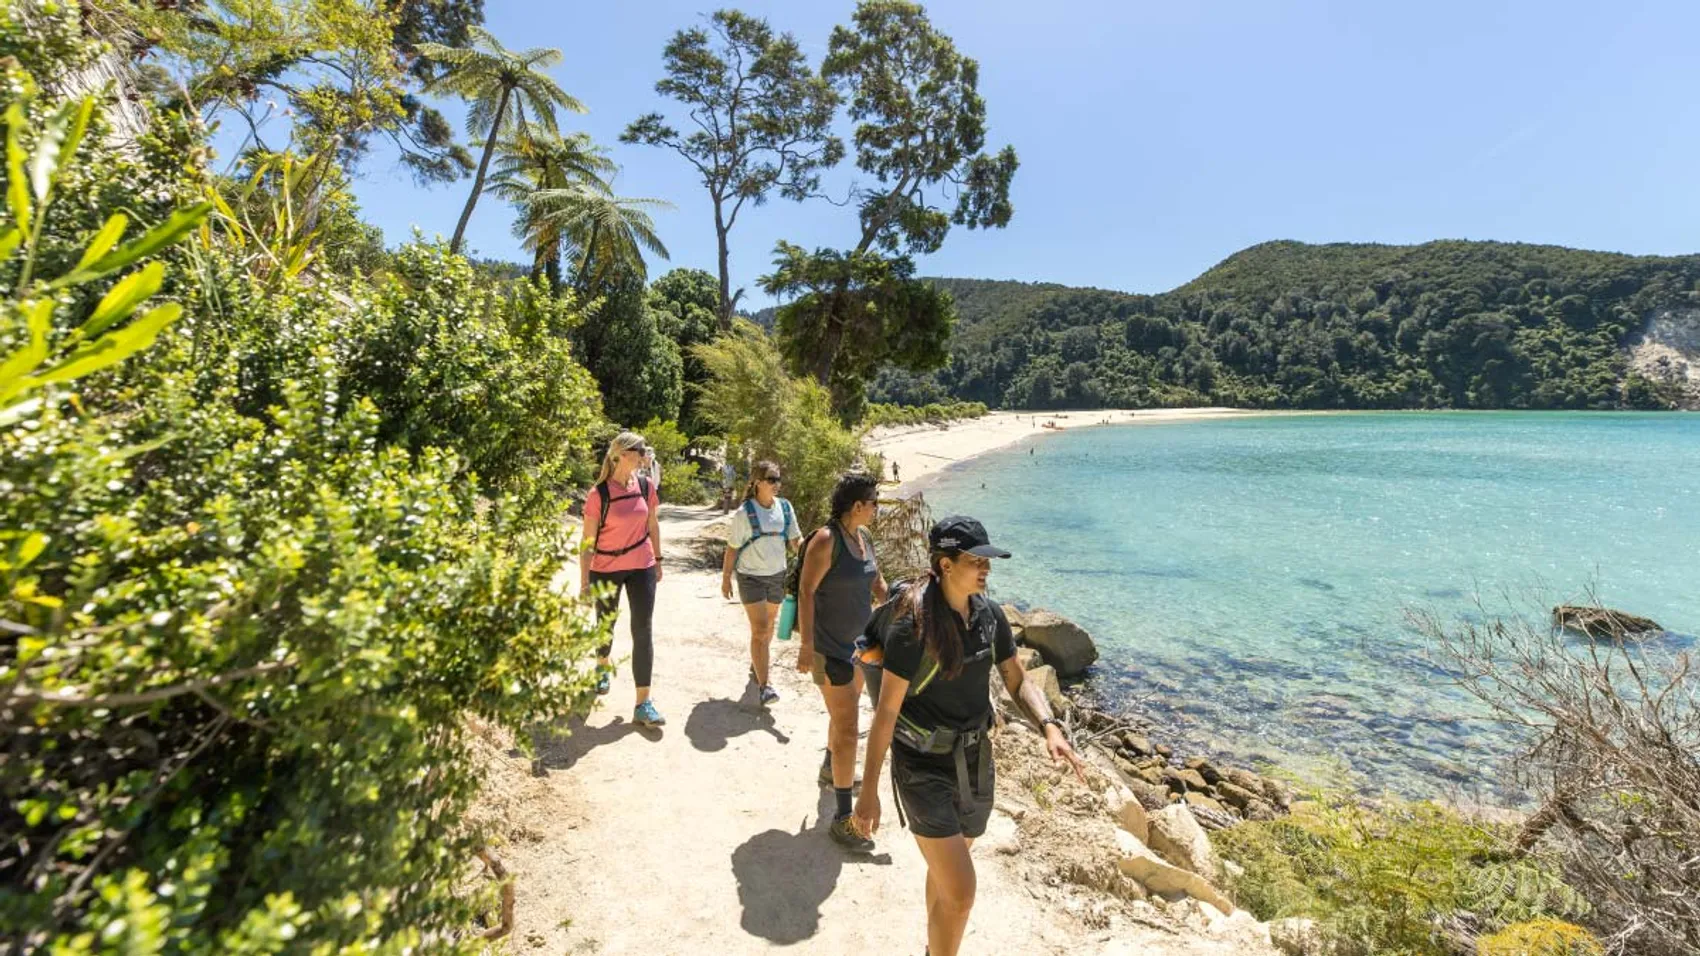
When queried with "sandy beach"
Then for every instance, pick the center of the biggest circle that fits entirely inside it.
(924, 450)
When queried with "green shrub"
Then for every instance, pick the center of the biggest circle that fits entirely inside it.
(244, 623)
(1541, 937)
(483, 369)
(878, 416)
(767, 414)
(680, 483)
(1389, 878)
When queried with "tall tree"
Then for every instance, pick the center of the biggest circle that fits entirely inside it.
(604, 235)
(763, 121)
(498, 86)
(686, 303)
(528, 165)
(339, 65)
(921, 134)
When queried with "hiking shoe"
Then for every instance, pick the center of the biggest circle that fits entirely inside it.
(645, 715)
(603, 676)
(843, 832)
(768, 695)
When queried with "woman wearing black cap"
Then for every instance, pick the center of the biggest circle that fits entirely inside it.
(934, 712)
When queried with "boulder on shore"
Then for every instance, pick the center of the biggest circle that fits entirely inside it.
(1064, 644)
(1164, 878)
(1602, 621)
(1177, 837)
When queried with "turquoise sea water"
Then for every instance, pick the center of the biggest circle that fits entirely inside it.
(1248, 580)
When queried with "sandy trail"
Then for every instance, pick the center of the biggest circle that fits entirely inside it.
(708, 835)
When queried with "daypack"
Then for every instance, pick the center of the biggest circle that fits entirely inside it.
(755, 527)
(602, 521)
(794, 574)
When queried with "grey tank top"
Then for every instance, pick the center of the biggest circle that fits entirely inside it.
(845, 599)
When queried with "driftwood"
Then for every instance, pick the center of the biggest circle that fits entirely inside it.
(1601, 621)
(499, 873)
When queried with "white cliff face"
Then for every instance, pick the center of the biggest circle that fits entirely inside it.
(1668, 350)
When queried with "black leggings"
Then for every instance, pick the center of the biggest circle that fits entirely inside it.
(640, 597)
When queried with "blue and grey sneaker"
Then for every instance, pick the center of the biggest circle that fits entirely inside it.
(768, 695)
(603, 676)
(647, 716)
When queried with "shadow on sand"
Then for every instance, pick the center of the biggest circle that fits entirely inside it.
(783, 878)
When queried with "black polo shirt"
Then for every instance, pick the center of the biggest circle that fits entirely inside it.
(965, 701)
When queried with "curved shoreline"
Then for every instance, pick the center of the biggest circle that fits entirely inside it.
(923, 451)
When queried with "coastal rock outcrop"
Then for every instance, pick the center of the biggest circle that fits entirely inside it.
(1602, 621)
(1163, 878)
(1064, 644)
(1177, 837)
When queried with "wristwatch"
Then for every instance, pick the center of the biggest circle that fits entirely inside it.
(1050, 721)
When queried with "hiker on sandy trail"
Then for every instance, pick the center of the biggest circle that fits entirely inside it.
(622, 522)
(763, 533)
(938, 640)
(837, 586)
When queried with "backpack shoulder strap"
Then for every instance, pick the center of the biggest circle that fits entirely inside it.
(790, 520)
(754, 519)
(601, 490)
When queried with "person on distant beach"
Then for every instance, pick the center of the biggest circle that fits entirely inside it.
(621, 521)
(894, 476)
(935, 712)
(838, 585)
(763, 533)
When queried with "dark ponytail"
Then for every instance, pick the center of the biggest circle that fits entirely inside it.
(935, 623)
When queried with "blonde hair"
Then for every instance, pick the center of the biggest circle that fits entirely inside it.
(622, 443)
(761, 469)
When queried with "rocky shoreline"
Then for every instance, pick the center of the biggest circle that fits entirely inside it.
(1053, 648)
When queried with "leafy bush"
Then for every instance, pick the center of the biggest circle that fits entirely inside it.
(767, 414)
(932, 413)
(485, 370)
(244, 622)
(1395, 880)
(680, 483)
(1541, 937)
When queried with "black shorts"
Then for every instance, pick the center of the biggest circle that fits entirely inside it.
(831, 670)
(926, 783)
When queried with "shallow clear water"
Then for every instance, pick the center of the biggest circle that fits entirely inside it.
(1248, 580)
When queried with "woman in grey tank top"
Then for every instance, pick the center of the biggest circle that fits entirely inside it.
(836, 592)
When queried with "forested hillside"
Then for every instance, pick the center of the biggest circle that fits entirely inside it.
(1284, 324)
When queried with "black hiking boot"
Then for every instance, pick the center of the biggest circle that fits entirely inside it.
(843, 832)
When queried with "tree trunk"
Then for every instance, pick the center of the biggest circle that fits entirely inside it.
(478, 180)
(725, 271)
(832, 339)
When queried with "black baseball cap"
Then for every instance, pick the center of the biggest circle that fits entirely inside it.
(962, 533)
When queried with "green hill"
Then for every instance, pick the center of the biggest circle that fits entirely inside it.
(1441, 325)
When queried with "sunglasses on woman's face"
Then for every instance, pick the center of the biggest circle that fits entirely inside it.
(639, 449)
(774, 480)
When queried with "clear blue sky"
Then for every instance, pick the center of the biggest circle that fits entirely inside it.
(1157, 138)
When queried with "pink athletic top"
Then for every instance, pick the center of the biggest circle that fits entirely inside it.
(627, 524)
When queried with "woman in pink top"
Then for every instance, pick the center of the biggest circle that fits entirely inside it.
(621, 522)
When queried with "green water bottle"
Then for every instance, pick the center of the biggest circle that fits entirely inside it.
(787, 617)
